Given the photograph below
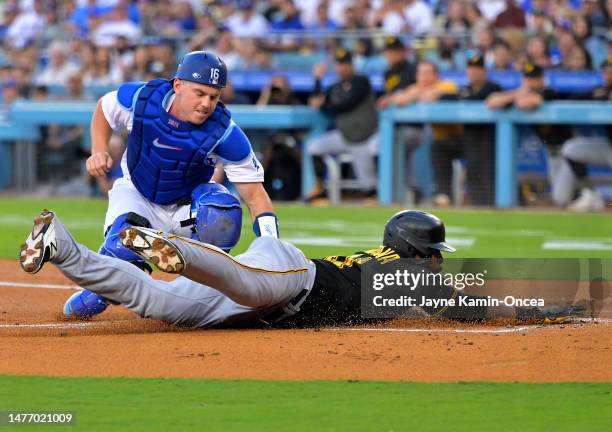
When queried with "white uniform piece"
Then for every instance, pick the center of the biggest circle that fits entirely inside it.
(363, 154)
(249, 286)
(124, 197)
(587, 150)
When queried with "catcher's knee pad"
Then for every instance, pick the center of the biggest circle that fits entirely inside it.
(216, 215)
(112, 243)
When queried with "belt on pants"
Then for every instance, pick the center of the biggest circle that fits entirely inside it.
(287, 310)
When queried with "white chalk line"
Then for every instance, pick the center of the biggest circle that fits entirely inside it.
(35, 285)
(68, 326)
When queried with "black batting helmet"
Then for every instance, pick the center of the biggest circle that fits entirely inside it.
(412, 231)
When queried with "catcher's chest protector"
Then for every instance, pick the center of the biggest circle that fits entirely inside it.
(167, 158)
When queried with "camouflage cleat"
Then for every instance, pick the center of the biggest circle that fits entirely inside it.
(41, 244)
(154, 248)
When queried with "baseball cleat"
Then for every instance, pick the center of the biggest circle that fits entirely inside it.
(84, 304)
(561, 314)
(154, 248)
(41, 244)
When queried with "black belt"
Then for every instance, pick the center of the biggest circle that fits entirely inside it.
(287, 310)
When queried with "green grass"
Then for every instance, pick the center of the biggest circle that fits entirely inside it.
(212, 405)
(342, 230)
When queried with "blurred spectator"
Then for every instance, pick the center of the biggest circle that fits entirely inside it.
(289, 17)
(254, 56)
(400, 73)
(289, 20)
(156, 16)
(163, 58)
(207, 33)
(351, 102)
(593, 14)
(59, 69)
(322, 24)
(512, 16)
(566, 43)
(184, 19)
(478, 147)
(537, 50)
(124, 55)
(491, 8)
(277, 92)
(446, 137)
(445, 55)
(578, 60)
(141, 67)
(485, 41)
(539, 24)
(594, 45)
(22, 75)
(84, 14)
(502, 56)
(76, 90)
(593, 149)
(454, 22)
(229, 95)
(10, 92)
(390, 17)
(419, 17)
(225, 48)
(54, 28)
(116, 23)
(475, 19)
(27, 25)
(246, 22)
(322, 21)
(9, 13)
(104, 72)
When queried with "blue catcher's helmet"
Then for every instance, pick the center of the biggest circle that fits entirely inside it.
(203, 68)
(218, 215)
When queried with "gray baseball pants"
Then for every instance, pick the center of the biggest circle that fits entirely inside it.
(215, 288)
(587, 150)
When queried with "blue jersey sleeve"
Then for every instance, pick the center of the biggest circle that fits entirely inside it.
(128, 92)
(234, 146)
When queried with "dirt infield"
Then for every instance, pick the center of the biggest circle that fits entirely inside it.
(35, 340)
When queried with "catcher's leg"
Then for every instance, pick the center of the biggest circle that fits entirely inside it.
(270, 272)
(84, 303)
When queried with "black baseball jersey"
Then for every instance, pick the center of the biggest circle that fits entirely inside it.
(399, 76)
(345, 95)
(552, 134)
(335, 298)
(472, 93)
(604, 94)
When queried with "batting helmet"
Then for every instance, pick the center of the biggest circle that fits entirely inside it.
(412, 231)
(203, 68)
(218, 215)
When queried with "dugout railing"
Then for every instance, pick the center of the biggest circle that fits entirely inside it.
(24, 118)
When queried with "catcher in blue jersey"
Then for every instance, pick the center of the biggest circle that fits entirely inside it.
(178, 130)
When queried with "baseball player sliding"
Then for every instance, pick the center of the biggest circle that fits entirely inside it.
(272, 282)
(178, 130)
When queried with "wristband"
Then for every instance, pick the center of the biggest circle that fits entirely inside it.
(266, 224)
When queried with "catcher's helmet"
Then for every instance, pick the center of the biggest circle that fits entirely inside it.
(412, 231)
(203, 68)
(218, 215)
